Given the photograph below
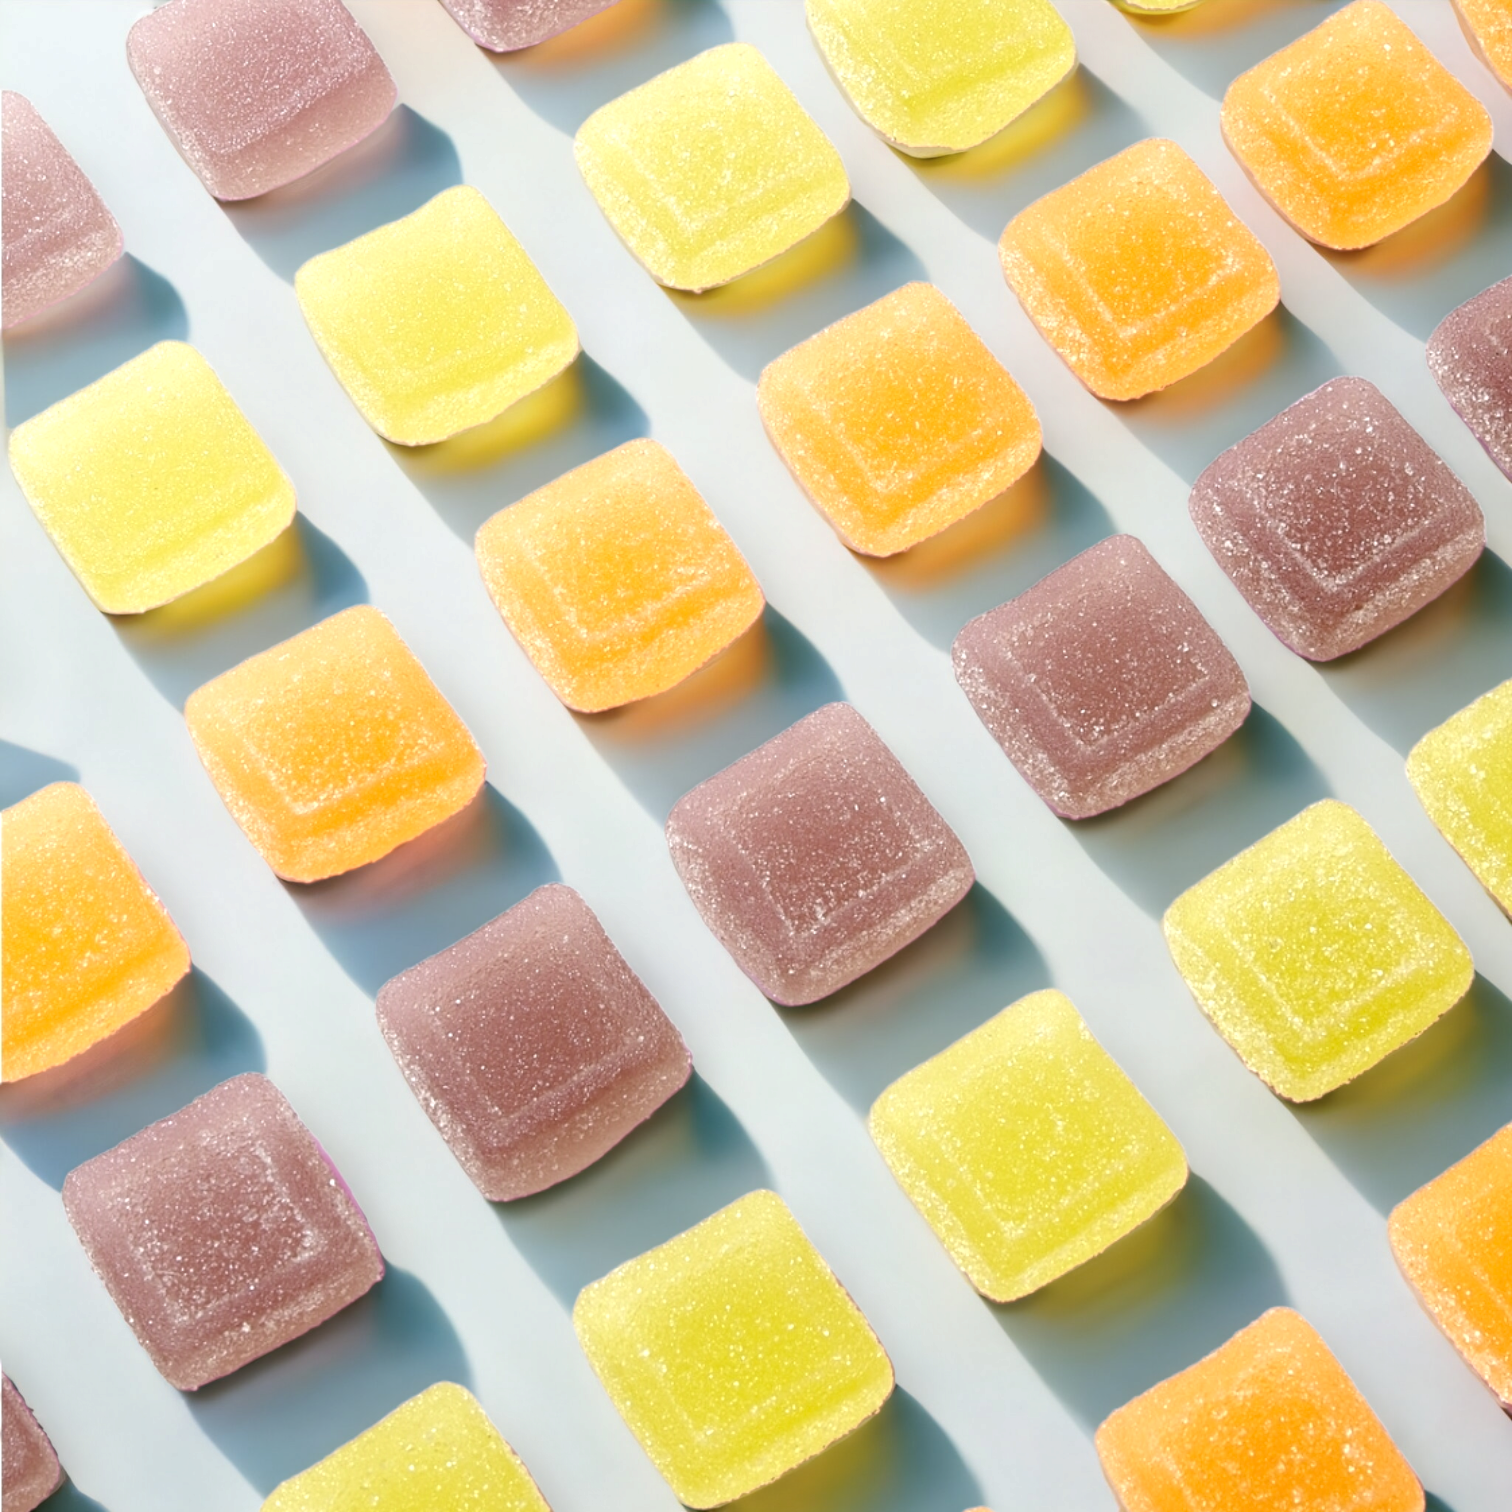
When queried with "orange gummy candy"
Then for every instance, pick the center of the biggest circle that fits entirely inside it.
(1269, 1420)
(334, 747)
(87, 944)
(1453, 1240)
(1488, 25)
(897, 421)
(1138, 273)
(617, 579)
(1355, 129)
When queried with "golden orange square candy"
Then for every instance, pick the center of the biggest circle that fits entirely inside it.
(1355, 129)
(334, 747)
(87, 946)
(617, 579)
(897, 421)
(1138, 273)
(1488, 25)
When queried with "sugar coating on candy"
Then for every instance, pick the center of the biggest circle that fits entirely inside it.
(732, 1351)
(617, 579)
(1470, 357)
(333, 747)
(437, 1453)
(710, 169)
(436, 322)
(29, 1468)
(933, 76)
(532, 1045)
(86, 946)
(897, 421)
(1488, 25)
(1336, 520)
(1269, 1420)
(56, 235)
(151, 481)
(1026, 1147)
(1453, 1241)
(1137, 272)
(222, 1231)
(1102, 681)
(816, 857)
(1355, 129)
(256, 93)
(504, 25)
(1314, 954)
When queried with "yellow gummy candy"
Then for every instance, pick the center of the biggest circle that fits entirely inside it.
(732, 1351)
(1488, 25)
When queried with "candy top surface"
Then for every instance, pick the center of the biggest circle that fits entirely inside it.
(29, 1468)
(1470, 357)
(1488, 24)
(504, 25)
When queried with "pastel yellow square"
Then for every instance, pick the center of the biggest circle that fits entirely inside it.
(1315, 954)
(710, 169)
(436, 322)
(151, 481)
(732, 1351)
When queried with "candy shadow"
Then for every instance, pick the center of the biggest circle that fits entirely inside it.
(973, 963)
(406, 162)
(282, 1413)
(1158, 845)
(192, 1040)
(127, 310)
(688, 1160)
(24, 771)
(294, 582)
(1159, 1300)
(68, 1498)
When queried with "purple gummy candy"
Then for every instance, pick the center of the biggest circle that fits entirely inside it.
(1470, 357)
(29, 1468)
(504, 25)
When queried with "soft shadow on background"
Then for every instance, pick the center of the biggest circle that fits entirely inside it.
(23, 771)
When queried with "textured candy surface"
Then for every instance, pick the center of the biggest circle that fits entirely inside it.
(255, 93)
(617, 579)
(29, 1469)
(1137, 272)
(436, 322)
(1488, 25)
(1102, 681)
(897, 421)
(1355, 129)
(56, 235)
(334, 747)
(710, 169)
(87, 946)
(1026, 1147)
(532, 1045)
(1336, 520)
(1315, 954)
(934, 76)
(503, 25)
(437, 1453)
(1470, 357)
(1268, 1421)
(221, 1231)
(816, 857)
(732, 1351)
(151, 481)
(1453, 1240)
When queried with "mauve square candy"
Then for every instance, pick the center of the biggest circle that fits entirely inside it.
(504, 25)
(1470, 357)
(29, 1468)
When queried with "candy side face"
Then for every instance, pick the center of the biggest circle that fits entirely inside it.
(1488, 25)
(29, 1466)
(1315, 954)
(504, 25)
(1470, 357)
(732, 1352)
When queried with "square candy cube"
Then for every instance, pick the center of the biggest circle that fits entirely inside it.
(1488, 25)
(1268, 1420)
(1453, 1240)
(334, 747)
(56, 236)
(1026, 1147)
(86, 946)
(1315, 954)
(933, 76)
(29, 1466)
(1355, 129)
(617, 579)
(1336, 520)
(897, 421)
(151, 481)
(1470, 357)
(532, 1045)
(437, 1453)
(1138, 273)
(732, 1351)
(504, 25)
(816, 857)
(1102, 681)
(222, 1231)
(255, 93)
(436, 322)
(710, 169)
